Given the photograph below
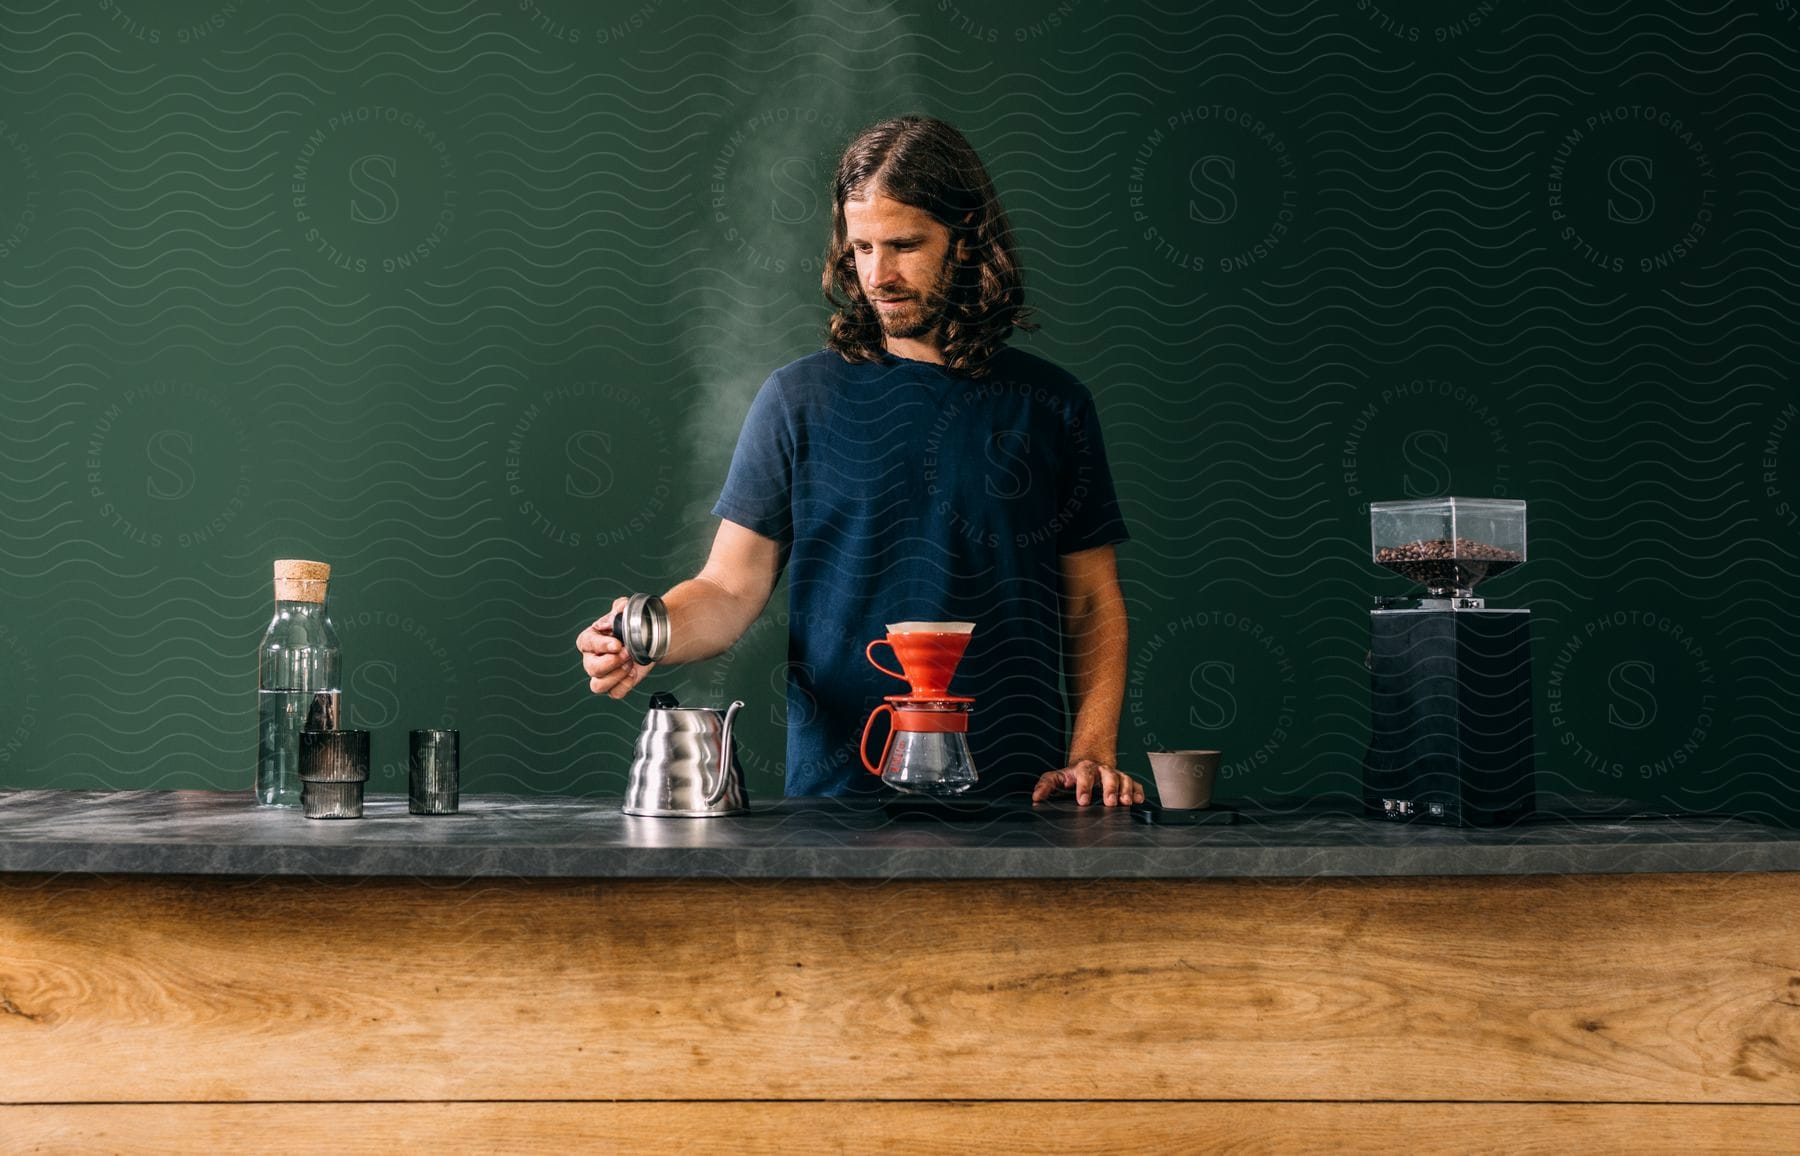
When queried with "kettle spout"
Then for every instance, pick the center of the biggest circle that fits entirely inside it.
(717, 790)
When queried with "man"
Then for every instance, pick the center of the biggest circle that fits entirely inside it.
(918, 468)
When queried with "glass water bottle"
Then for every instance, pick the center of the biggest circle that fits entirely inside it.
(298, 670)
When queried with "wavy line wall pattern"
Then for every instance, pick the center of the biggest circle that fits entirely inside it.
(470, 300)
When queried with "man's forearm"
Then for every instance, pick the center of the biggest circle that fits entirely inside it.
(1097, 675)
(705, 619)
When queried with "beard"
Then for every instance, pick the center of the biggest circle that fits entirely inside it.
(914, 319)
(920, 314)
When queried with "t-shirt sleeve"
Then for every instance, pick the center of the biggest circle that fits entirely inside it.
(1084, 485)
(759, 486)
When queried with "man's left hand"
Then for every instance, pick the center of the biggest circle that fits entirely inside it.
(1115, 786)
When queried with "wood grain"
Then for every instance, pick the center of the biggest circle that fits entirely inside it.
(1576, 989)
(969, 1127)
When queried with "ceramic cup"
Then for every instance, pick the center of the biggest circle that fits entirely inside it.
(1184, 779)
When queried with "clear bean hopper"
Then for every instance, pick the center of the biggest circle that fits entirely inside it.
(1448, 545)
(1450, 679)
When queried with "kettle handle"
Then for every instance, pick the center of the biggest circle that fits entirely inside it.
(717, 791)
(863, 747)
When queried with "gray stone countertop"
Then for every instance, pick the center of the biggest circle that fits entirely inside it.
(508, 836)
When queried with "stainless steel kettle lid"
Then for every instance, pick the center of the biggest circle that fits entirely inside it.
(643, 627)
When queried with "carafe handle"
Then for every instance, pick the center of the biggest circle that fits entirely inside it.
(717, 791)
(863, 747)
(869, 653)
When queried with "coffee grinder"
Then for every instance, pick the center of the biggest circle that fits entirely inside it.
(927, 750)
(1451, 736)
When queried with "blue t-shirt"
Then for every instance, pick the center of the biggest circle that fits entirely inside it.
(901, 492)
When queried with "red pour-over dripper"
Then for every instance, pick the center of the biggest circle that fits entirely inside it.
(926, 751)
(928, 655)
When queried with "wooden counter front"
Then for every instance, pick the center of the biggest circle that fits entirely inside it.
(189, 1013)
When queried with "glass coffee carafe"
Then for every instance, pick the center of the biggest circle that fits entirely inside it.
(927, 749)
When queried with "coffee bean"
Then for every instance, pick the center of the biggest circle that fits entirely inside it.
(1443, 564)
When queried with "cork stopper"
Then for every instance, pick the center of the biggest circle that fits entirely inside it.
(298, 580)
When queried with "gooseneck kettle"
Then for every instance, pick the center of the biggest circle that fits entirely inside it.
(685, 763)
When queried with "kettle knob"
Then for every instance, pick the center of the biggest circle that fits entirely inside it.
(663, 700)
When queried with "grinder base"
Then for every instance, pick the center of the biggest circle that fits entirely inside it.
(1451, 736)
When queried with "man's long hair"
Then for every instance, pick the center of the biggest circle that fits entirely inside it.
(923, 162)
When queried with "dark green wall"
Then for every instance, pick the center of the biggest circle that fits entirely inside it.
(470, 301)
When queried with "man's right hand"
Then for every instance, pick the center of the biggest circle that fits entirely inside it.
(609, 669)
(707, 613)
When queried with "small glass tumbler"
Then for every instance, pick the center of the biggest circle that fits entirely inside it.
(431, 783)
(334, 765)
